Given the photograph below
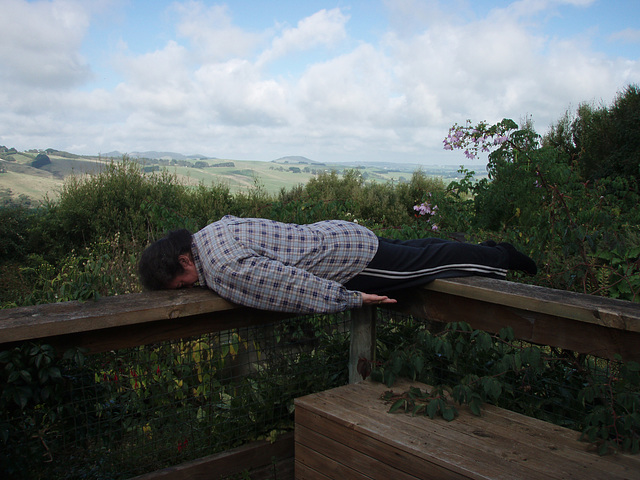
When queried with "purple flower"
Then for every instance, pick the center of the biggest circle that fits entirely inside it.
(425, 208)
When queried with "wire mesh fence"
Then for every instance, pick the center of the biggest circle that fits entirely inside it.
(130, 411)
(127, 412)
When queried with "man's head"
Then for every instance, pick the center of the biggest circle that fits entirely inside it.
(167, 263)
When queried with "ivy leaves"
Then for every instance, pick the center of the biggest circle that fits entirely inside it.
(471, 367)
(448, 354)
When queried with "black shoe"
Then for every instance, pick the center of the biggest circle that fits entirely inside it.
(488, 243)
(518, 260)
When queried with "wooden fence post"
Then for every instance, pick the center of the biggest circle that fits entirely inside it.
(363, 339)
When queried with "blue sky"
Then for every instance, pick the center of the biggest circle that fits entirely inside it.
(342, 80)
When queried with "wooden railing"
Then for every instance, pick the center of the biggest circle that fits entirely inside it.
(582, 323)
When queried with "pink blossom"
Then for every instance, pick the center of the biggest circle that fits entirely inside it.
(425, 208)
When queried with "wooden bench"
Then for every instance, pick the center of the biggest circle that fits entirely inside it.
(347, 433)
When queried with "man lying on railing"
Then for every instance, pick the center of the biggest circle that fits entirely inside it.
(323, 267)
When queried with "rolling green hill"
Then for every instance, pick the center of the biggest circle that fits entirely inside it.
(18, 178)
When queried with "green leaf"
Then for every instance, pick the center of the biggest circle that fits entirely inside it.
(603, 449)
(45, 393)
(517, 360)
(389, 378)
(633, 366)
(449, 414)
(506, 334)
(447, 350)
(26, 375)
(484, 341)
(418, 408)
(21, 396)
(432, 409)
(400, 403)
(418, 364)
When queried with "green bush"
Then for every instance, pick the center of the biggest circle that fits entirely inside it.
(14, 224)
(471, 367)
(583, 234)
(603, 141)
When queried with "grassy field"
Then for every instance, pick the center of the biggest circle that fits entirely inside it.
(18, 178)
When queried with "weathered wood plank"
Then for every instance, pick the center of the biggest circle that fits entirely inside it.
(254, 456)
(505, 430)
(195, 312)
(314, 457)
(606, 312)
(569, 327)
(436, 449)
(515, 446)
(26, 323)
(303, 472)
(280, 470)
(387, 452)
(127, 336)
(363, 340)
(583, 323)
(372, 463)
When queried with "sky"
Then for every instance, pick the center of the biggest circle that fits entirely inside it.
(334, 81)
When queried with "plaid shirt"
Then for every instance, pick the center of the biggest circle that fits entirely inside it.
(284, 267)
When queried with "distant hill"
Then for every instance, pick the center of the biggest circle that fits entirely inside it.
(155, 155)
(18, 179)
(61, 153)
(296, 159)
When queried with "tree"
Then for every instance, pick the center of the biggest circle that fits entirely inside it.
(41, 160)
(602, 141)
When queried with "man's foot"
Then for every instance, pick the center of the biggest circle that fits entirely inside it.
(518, 260)
(488, 243)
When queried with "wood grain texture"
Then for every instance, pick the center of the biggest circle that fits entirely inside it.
(260, 458)
(583, 323)
(353, 422)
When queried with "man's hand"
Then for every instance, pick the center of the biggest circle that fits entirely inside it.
(373, 299)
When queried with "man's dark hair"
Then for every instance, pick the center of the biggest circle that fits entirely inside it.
(159, 262)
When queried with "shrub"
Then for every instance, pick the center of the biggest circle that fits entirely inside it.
(602, 141)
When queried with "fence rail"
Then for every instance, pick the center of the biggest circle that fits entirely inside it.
(587, 324)
(582, 323)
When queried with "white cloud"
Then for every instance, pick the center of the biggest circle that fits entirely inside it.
(321, 28)
(350, 88)
(215, 88)
(235, 93)
(628, 35)
(212, 33)
(39, 43)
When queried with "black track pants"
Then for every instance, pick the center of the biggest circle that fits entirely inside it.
(402, 264)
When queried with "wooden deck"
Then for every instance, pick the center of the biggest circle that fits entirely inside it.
(347, 433)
